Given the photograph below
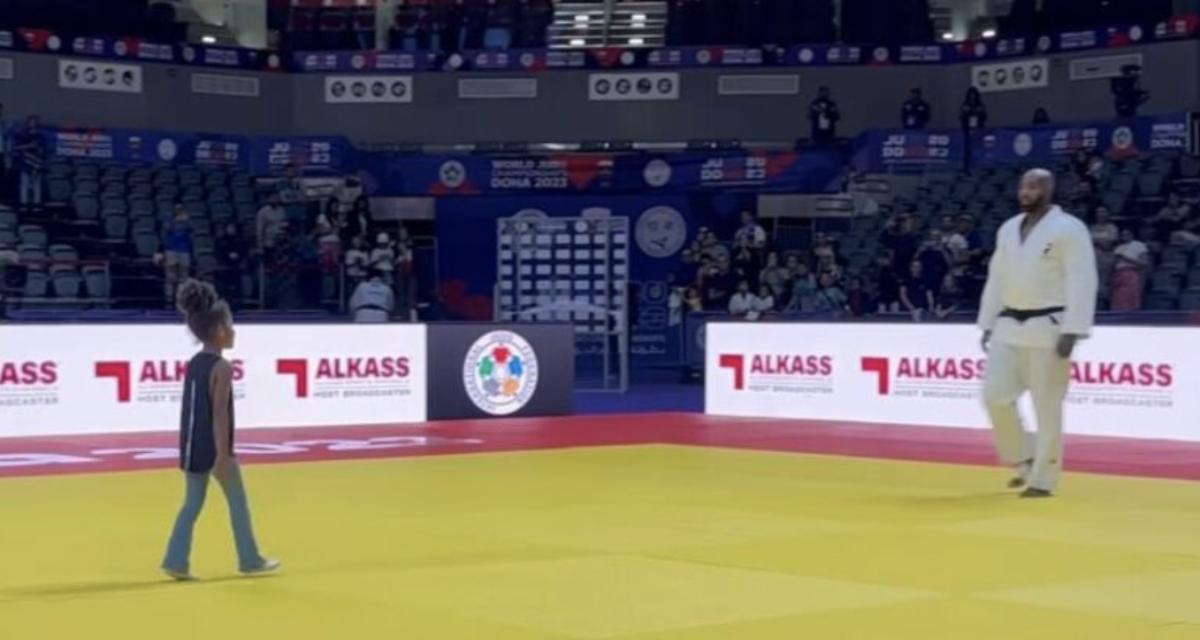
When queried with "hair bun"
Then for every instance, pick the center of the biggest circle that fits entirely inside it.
(196, 297)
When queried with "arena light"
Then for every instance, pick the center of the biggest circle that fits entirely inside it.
(948, 36)
(989, 33)
(637, 42)
(583, 17)
(208, 39)
(577, 42)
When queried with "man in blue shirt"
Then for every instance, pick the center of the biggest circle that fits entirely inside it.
(29, 149)
(177, 251)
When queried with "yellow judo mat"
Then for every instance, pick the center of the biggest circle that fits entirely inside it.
(650, 542)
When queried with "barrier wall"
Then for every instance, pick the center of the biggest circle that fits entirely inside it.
(1139, 382)
(57, 379)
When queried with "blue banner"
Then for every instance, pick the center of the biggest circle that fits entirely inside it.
(573, 173)
(139, 50)
(900, 151)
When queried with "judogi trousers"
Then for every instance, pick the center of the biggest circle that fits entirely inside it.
(1011, 371)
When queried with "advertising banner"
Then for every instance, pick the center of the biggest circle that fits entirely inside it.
(1029, 73)
(576, 173)
(610, 87)
(488, 370)
(90, 75)
(1125, 381)
(368, 89)
(58, 379)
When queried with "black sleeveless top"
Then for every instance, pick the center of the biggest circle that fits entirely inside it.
(197, 438)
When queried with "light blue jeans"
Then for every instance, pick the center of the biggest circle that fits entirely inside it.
(179, 549)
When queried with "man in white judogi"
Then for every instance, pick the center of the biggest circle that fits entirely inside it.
(1040, 298)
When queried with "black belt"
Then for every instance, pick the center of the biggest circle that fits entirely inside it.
(1021, 315)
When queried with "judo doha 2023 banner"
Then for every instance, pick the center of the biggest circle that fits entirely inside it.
(1125, 381)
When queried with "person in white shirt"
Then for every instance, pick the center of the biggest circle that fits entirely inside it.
(742, 302)
(373, 300)
(751, 234)
(1039, 300)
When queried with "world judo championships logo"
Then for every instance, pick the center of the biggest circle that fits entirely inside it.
(500, 373)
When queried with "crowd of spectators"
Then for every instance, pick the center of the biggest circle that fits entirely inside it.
(928, 275)
(436, 26)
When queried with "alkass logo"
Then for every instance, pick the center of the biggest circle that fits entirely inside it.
(368, 376)
(28, 383)
(926, 377)
(779, 373)
(155, 380)
(1091, 381)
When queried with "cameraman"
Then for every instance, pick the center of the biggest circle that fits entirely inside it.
(1127, 91)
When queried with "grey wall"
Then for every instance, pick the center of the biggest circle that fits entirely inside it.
(869, 98)
(166, 102)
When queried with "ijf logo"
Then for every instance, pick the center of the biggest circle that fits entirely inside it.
(500, 373)
(452, 174)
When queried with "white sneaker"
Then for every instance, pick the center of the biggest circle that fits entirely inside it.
(269, 565)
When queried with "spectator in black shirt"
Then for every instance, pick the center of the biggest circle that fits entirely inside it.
(915, 113)
(231, 255)
(887, 284)
(935, 261)
(898, 237)
(949, 299)
(823, 115)
(973, 114)
(1041, 116)
(916, 296)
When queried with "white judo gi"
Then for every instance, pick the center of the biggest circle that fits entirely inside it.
(1054, 267)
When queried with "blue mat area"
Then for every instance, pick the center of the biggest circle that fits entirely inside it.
(649, 391)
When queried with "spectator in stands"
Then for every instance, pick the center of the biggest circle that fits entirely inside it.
(1104, 233)
(1188, 234)
(915, 112)
(916, 297)
(1132, 262)
(887, 283)
(751, 235)
(289, 188)
(858, 301)
(742, 301)
(900, 240)
(764, 302)
(373, 300)
(357, 261)
(358, 221)
(934, 259)
(711, 247)
(383, 255)
(404, 275)
(29, 146)
(829, 297)
(177, 252)
(269, 223)
(692, 300)
(1041, 116)
(804, 290)
(717, 283)
(973, 113)
(745, 265)
(231, 257)
(689, 267)
(823, 116)
(949, 298)
(1170, 218)
(774, 276)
